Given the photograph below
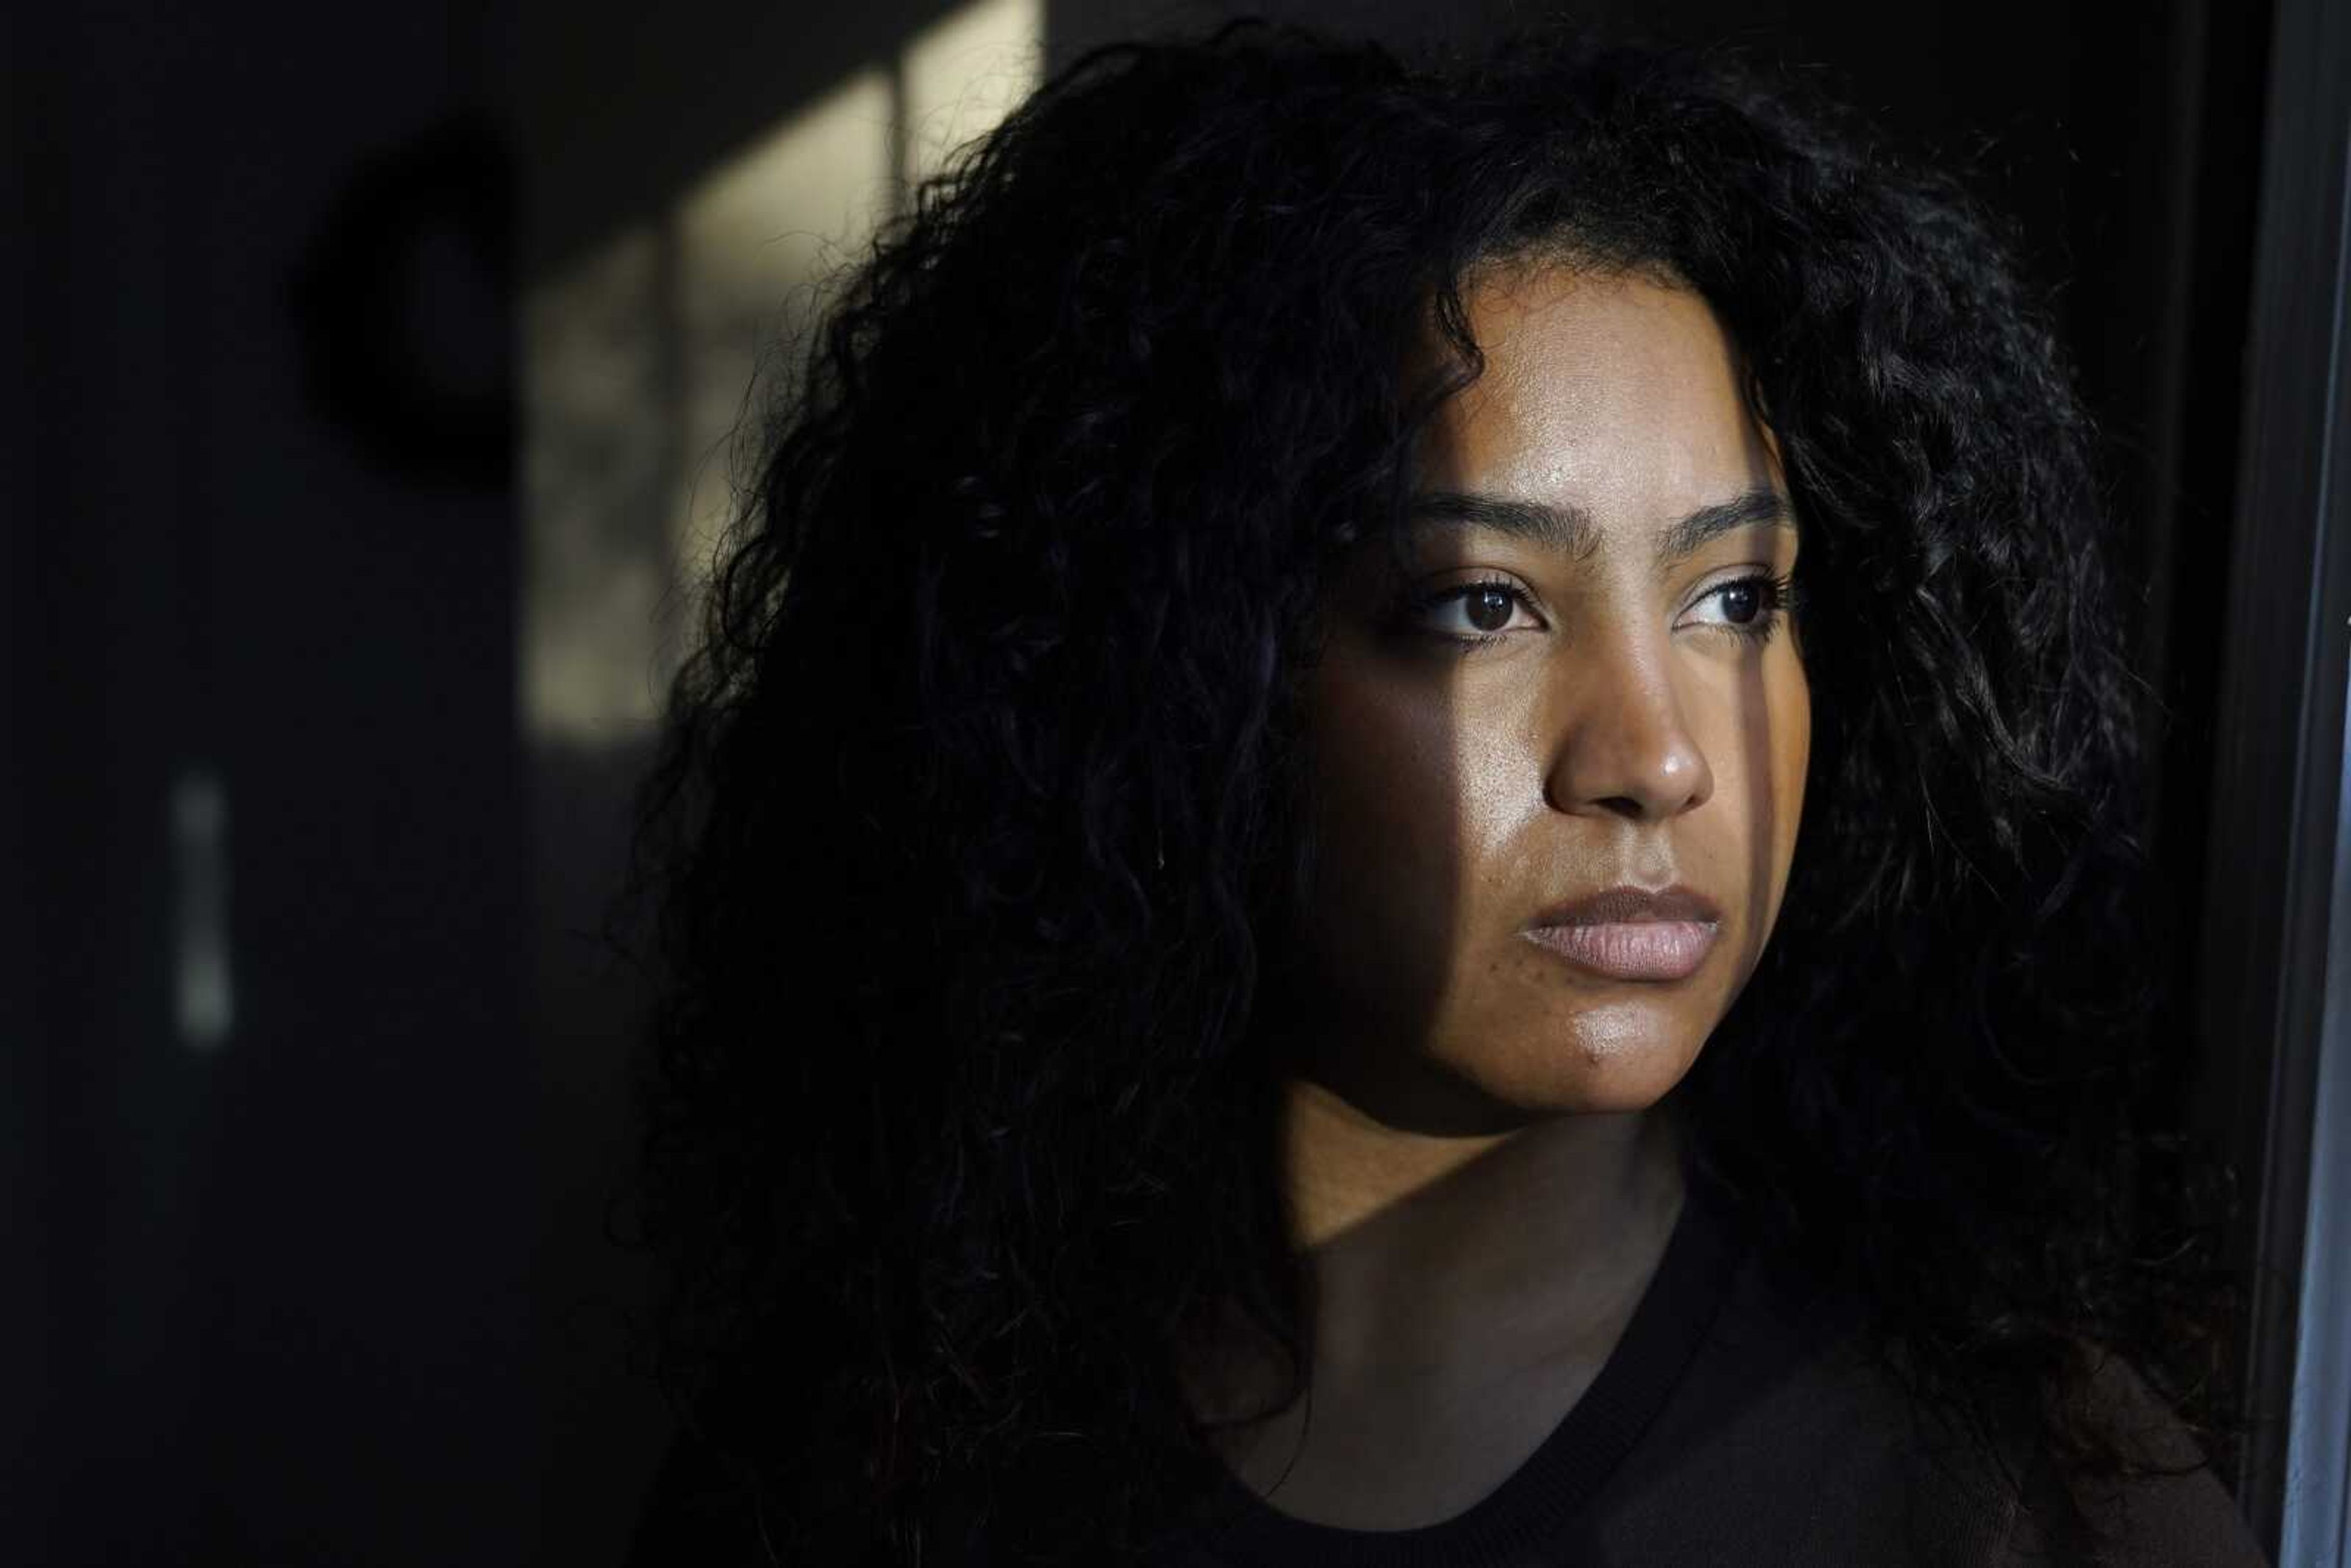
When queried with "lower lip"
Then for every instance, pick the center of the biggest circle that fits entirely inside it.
(1631, 950)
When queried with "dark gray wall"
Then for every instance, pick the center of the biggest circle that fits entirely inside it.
(27, 1312)
(285, 1279)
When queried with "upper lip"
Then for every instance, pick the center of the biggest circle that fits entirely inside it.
(1628, 905)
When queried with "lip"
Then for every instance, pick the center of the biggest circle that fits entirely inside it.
(1631, 933)
(1627, 905)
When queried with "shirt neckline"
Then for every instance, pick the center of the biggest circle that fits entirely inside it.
(1677, 1308)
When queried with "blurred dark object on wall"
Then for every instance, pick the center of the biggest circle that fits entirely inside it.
(405, 300)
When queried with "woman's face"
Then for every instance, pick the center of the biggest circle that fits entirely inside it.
(1582, 682)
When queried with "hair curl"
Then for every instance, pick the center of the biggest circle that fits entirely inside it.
(979, 801)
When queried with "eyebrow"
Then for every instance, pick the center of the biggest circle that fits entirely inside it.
(1570, 530)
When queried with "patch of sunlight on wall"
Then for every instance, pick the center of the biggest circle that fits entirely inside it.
(756, 239)
(650, 363)
(599, 460)
(964, 74)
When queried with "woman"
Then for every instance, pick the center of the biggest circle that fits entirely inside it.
(1406, 835)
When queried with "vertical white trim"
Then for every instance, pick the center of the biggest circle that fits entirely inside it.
(2315, 1526)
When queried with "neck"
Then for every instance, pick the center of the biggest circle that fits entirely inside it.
(1523, 1243)
(1433, 1259)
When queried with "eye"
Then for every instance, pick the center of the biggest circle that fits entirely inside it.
(1752, 607)
(1472, 613)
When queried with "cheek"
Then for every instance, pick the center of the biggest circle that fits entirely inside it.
(1380, 909)
(1385, 804)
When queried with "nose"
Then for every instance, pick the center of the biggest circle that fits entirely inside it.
(1621, 743)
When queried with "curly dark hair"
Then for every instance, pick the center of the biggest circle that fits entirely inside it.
(979, 798)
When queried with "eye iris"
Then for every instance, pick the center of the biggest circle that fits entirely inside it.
(1742, 601)
(1489, 608)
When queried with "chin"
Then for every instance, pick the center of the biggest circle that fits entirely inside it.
(1586, 1078)
(1618, 1092)
(1608, 1059)
(1613, 1096)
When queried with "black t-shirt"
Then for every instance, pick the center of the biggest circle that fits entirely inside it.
(1738, 1422)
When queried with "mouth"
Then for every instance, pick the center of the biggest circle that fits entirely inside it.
(1631, 933)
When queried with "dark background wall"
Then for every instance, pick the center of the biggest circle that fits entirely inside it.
(335, 1289)
(278, 1283)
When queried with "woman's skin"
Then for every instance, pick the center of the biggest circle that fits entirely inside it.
(1481, 1179)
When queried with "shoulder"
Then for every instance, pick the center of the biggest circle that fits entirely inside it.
(2174, 1510)
(1800, 1380)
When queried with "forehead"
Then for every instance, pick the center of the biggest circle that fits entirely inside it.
(1614, 393)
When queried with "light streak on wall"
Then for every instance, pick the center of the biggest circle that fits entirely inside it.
(652, 365)
(203, 999)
